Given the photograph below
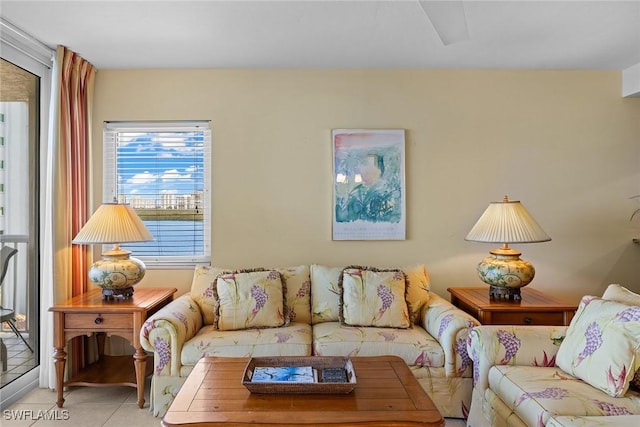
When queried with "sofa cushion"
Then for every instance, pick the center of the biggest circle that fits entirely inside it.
(611, 420)
(326, 294)
(536, 393)
(414, 345)
(291, 340)
(495, 410)
(372, 297)
(249, 299)
(602, 345)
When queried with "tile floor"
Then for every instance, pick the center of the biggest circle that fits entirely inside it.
(19, 358)
(91, 407)
(83, 407)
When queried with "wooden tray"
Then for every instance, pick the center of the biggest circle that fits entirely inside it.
(317, 362)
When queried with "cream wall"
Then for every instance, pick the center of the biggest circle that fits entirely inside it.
(565, 143)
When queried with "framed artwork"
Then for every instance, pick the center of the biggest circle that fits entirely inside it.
(369, 197)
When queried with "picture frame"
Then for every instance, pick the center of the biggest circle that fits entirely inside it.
(369, 195)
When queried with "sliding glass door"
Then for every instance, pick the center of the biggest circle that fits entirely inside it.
(19, 125)
(25, 82)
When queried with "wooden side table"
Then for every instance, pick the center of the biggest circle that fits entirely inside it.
(535, 308)
(89, 313)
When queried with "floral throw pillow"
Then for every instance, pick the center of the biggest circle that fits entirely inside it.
(621, 294)
(202, 290)
(615, 292)
(602, 345)
(250, 299)
(372, 297)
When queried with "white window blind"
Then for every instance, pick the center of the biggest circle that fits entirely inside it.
(162, 169)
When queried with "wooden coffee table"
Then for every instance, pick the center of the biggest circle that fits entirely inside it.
(386, 394)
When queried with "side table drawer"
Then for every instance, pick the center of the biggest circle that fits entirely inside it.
(528, 318)
(98, 321)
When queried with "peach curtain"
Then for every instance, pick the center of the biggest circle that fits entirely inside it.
(76, 101)
(75, 81)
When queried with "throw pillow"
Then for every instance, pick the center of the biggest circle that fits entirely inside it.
(621, 294)
(296, 279)
(418, 287)
(372, 297)
(250, 299)
(298, 294)
(325, 293)
(202, 291)
(602, 345)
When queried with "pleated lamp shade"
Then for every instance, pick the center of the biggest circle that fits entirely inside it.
(113, 223)
(507, 221)
(503, 270)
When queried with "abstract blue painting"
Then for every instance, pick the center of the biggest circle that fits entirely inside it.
(369, 184)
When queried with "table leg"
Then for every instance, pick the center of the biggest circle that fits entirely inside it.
(60, 357)
(140, 363)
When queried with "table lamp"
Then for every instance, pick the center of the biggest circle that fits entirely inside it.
(506, 222)
(117, 272)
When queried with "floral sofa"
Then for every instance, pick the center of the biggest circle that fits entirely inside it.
(313, 310)
(581, 375)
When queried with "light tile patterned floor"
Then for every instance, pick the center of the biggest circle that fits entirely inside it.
(83, 407)
(19, 358)
(91, 407)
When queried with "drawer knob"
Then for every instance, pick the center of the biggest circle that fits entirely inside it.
(528, 321)
(98, 320)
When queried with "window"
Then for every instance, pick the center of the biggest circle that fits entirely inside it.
(162, 170)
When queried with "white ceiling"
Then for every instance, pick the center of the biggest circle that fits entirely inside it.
(333, 34)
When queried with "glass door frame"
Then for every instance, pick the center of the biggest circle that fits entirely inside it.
(24, 51)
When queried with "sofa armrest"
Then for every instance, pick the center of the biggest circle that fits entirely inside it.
(450, 326)
(166, 331)
(490, 345)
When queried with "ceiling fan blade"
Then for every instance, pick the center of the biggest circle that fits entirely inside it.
(448, 19)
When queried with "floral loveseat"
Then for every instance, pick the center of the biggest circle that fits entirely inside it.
(301, 311)
(580, 375)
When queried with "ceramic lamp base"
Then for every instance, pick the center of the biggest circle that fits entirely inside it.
(116, 273)
(505, 273)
